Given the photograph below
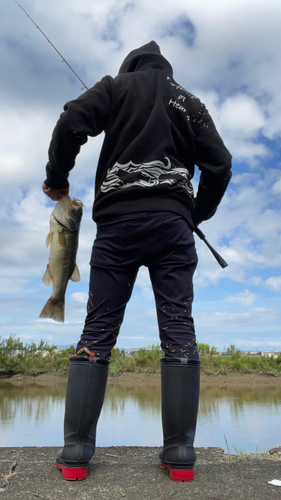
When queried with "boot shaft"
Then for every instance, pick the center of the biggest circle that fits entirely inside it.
(180, 385)
(85, 393)
(86, 387)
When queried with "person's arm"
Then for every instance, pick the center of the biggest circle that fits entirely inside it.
(83, 117)
(214, 161)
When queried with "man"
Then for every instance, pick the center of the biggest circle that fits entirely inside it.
(155, 132)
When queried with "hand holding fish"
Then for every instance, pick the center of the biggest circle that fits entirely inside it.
(53, 193)
(63, 240)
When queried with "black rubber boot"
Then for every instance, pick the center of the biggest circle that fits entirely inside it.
(180, 384)
(84, 399)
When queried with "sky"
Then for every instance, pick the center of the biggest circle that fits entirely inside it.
(228, 55)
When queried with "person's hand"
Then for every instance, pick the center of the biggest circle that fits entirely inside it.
(53, 193)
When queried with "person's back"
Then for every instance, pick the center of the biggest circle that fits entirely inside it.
(155, 133)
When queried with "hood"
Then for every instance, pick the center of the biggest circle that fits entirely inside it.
(147, 55)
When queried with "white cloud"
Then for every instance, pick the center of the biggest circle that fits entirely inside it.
(12, 285)
(256, 319)
(244, 231)
(274, 283)
(80, 297)
(276, 188)
(246, 298)
(143, 279)
(150, 313)
(258, 344)
(25, 134)
(242, 114)
(240, 120)
(147, 293)
(32, 211)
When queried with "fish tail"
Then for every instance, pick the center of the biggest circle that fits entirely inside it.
(54, 309)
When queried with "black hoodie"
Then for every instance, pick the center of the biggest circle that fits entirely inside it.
(155, 132)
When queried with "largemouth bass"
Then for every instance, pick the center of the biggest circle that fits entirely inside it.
(63, 240)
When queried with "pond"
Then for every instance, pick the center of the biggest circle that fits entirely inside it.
(242, 418)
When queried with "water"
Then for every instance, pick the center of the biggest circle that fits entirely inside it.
(248, 419)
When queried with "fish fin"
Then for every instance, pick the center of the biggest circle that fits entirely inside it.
(76, 274)
(53, 309)
(47, 278)
(49, 239)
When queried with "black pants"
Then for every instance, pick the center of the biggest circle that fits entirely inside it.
(162, 241)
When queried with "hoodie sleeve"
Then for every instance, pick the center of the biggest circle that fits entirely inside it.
(214, 161)
(86, 116)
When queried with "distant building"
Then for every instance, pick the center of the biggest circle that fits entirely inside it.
(252, 353)
(132, 352)
(270, 354)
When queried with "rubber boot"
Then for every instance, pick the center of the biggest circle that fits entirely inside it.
(180, 384)
(84, 399)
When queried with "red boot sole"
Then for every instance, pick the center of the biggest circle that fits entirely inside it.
(72, 474)
(179, 475)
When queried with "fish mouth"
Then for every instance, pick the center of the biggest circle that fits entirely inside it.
(67, 213)
(70, 227)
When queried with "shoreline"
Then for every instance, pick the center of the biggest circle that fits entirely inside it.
(131, 379)
(134, 473)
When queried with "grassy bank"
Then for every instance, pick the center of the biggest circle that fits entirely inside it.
(32, 359)
(147, 360)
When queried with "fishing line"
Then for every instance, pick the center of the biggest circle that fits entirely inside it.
(49, 41)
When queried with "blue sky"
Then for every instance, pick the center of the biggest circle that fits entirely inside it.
(226, 53)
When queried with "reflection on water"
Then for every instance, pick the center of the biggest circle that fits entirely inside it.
(249, 419)
(31, 415)
(130, 416)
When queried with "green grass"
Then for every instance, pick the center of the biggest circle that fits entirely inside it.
(240, 363)
(243, 455)
(32, 359)
(146, 361)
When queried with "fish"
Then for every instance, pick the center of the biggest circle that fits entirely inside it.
(63, 241)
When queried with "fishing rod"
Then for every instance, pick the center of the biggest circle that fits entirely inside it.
(199, 233)
(49, 41)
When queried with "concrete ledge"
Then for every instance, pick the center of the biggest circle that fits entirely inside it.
(134, 473)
